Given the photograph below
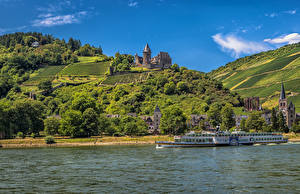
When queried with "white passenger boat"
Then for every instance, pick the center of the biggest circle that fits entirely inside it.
(193, 139)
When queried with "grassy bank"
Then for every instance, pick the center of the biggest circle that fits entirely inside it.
(293, 137)
(73, 142)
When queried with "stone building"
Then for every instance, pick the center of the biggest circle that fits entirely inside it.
(238, 119)
(35, 44)
(288, 109)
(153, 122)
(194, 121)
(252, 104)
(113, 116)
(162, 60)
(267, 117)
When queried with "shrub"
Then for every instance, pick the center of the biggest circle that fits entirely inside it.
(49, 140)
(20, 135)
(33, 135)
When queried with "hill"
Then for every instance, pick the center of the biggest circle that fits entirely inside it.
(29, 59)
(261, 75)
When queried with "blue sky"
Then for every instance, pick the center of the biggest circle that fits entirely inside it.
(201, 35)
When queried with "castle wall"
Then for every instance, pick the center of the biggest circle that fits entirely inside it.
(162, 60)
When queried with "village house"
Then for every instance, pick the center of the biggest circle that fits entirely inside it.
(113, 116)
(195, 120)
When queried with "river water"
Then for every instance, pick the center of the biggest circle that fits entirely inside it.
(145, 169)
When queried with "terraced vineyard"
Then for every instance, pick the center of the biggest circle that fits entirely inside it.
(44, 73)
(261, 75)
(86, 66)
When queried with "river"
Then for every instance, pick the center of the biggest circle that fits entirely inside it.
(145, 169)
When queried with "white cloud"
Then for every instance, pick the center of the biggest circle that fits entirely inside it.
(290, 39)
(55, 7)
(258, 27)
(292, 12)
(133, 3)
(271, 15)
(49, 20)
(237, 46)
(46, 15)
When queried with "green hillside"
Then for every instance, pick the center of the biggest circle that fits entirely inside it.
(86, 66)
(261, 75)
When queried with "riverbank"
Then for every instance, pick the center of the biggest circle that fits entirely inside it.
(76, 142)
(98, 141)
(293, 137)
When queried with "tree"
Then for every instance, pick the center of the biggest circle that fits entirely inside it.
(45, 85)
(169, 88)
(227, 117)
(4, 120)
(182, 87)
(214, 115)
(74, 44)
(274, 120)
(255, 122)
(175, 67)
(133, 126)
(243, 125)
(105, 125)
(26, 116)
(82, 101)
(52, 125)
(90, 123)
(282, 123)
(173, 121)
(296, 127)
(202, 125)
(86, 50)
(71, 124)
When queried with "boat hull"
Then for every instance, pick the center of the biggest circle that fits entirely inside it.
(166, 144)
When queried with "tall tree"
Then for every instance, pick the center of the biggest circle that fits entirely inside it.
(214, 115)
(282, 123)
(173, 120)
(274, 120)
(243, 125)
(228, 120)
(52, 125)
(90, 123)
(71, 124)
(27, 116)
(255, 122)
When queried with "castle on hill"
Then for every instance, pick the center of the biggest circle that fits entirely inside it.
(162, 60)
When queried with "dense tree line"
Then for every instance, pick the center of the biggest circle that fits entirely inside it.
(19, 58)
(121, 63)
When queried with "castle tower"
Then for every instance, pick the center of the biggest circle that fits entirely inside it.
(156, 119)
(147, 55)
(282, 100)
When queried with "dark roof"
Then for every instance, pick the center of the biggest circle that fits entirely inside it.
(157, 109)
(282, 93)
(147, 48)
